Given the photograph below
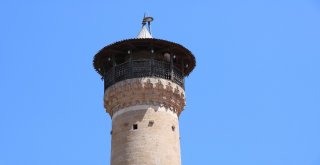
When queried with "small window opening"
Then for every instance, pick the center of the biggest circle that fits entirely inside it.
(173, 128)
(111, 132)
(151, 122)
(135, 126)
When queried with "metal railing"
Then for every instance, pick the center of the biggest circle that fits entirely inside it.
(143, 68)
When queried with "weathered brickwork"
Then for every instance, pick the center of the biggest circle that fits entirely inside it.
(145, 127)
(139, 91)
(149, 144)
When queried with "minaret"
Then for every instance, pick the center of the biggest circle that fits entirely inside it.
(144, 95)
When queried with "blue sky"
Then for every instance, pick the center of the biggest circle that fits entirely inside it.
(253, 99)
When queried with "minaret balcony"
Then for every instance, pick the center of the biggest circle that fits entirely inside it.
(143, 68)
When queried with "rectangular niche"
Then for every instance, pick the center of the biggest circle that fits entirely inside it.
(150, 124)
(135, 126)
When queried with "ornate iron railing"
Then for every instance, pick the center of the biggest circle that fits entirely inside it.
(143, 68)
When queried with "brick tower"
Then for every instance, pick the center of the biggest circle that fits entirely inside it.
(144, 95)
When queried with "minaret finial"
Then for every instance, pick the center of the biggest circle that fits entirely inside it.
(147, 19)
(143, 20)
(146, 30)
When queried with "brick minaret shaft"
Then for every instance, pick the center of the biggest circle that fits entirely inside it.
(145, 128)
(144, 95)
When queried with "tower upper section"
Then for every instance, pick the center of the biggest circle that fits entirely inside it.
(144, 56)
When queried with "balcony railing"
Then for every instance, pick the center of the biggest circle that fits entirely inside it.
(143, 68)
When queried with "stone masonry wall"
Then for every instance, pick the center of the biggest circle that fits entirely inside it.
(155, 141)
(145, 126)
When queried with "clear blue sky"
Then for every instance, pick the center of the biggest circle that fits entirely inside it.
(253, 99)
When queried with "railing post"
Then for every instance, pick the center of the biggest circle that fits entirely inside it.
(171, 67)
(105, 77)
(152, 63)
(151, 67)
(130, 66)
(114, 64)
(182, 72)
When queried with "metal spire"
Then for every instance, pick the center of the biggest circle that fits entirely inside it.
(146, 32)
